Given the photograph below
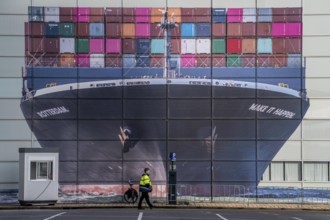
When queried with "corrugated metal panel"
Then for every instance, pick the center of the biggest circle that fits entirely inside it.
(293, 45)
(176, 12)
(294, 14)
(188, 30)
(293, 29)
(175, 61)
(52, 29)
(34, 29)
(234, 15)
(113, 15)
(249, 45)
(52, 45)
(176, 32)
(279, 46)
(264, 15)
(52, 14)
(83, 60)
(188, 46)
(96, 45)
(66, 14)
(249, 29)
(294, 60)
(142, 30)
(203, 46)
(97, 60)
(248, 60)
(234, 60)
(188, 15)
(188, 61)
(52, 60)
(67, 60)
(157, 61)
(279, 60)
(142, 61)
(66, 29)
(82, 45)
(219, 60)
(264, 60)
(219, 15)
(67, 45)
(128, 30)
(129, 46)
(128, 15)
(203, 14)
(265, 45)
(278, 29)
(279, 14)
(32, 61)
(96, 15)
(157, 46)
(81, 14)
(96, 29)
(113, 45)
(113, 60)
(234, 29)
(175, 46)
(142, 15)
(36, 13)
(264, 29)
(203, 61)
(82, 29)
(35, 45)
(142, 46)
(249, 14)
(156, 15)
(203, 29)
(219, 29)
(234, 46)
(218, 46)
(128, 61)
(156, 30)
(113, 30)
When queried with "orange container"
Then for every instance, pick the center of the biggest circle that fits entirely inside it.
(249, 45)
(156, 14)
(128, 30)
(68, 60)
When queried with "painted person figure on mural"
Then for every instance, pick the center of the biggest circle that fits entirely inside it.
(145, 188)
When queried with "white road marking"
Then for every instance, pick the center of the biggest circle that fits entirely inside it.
(221, 217)
(140, 216)
(54, 216)
(297, 218)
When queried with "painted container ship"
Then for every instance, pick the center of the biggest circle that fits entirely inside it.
(117, 89)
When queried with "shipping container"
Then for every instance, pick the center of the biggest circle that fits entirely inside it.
(142, 61)
(157, 46)
(128, 61)
(96, 60)
(143, 15)
(129, 46)
(279, 46)
(249, 45)
(83, 60)
(265, 45)
(143, 46)
(264, 29)
(294, 60)
(81, 14)
(66, 14)
(249, 29)
(157, 31)
(279, 61)
(188, 30)
(113, 30)
(203, 30)
(176, 13)
(219, 30)
(96, 45)
(175, 46)
(188, 60)
(294, 14)
(203, 46)
(234, 46)
(52, 60)
(264, 61)
(293, 45)
(219, 15)
(52, 14)
(67, 45)
(113, 15)
(52, 29)
(96, 15)
(249, 14)
(36, 13)
(113, 46)
(218, 46)
(293, 29)
(279, 14)
(219, 60)
(176, 32)
(188, 46)
(34, 29)
(264, 15)
(35, 44)
(157, 61)
(175, 62)
(234, 60)
(67, 29)
(96, 29)
(82, 45)
(142, 30)
(128, 30)
(278, 29)
(234, 15)
(82, 29)
(203, 60)
(51, 45)
(112, 60)
(234, 29)
(203, 14)
(33, 60)
(188, 15)
(128, 15)
(249, 60)
(156, 15)
(67, 60)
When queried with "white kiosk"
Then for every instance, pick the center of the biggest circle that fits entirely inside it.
(38, 175)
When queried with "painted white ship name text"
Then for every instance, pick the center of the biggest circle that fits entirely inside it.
(53, 111)
(272, 110)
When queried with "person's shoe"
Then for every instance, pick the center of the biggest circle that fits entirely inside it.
(140, 208)
(151, 207)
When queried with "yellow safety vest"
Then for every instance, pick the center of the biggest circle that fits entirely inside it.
(145, 180)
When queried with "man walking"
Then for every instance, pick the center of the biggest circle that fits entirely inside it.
(145, 188)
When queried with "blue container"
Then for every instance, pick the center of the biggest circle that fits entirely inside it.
(143, 46)
(294, 60)
(265, 15)
(265, 45)
(128, 61)
(219, 15)
(188, 30)
(203, 29)
(96, 29)
(157, 46)
(36, 13)
(52, 29)
(142, 61)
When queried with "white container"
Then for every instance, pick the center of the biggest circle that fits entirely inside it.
(67, 45)
(188, 46)
(249, 15)
(203, 46)
(52, 14)
(97, 60)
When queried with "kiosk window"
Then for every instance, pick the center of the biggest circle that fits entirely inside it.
(41, 170)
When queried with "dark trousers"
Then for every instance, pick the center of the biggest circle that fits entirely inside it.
(144, 195)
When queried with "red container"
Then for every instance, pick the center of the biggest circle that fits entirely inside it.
(294, 14)
(83, 60)
(81, 14)
(34, 59)
(128, 15)
(143, 15)
(113, 30)
(203, 61)
(279, 14)
(34, 29)
(248, 60)
(176, 32)
(66, 14)
(203, 14)
(156, 31)
(129, 46)
(188, 15)
(52, 45)
(82, 29)
(234, 15)
(175, 46)
(142, 30)
(51, 60)
(279, 46)
(293, 45)
(96, 15)
(157, 61)
(234, 29)
(34, 45)
(264, 61)
(219, 60)
(113, 14)
(113, 60)
(279, 61)
(234, 46)
(264, 29)
(96, 45)
(188, 60)
(249, 29)
(219, 29)
(113, 46)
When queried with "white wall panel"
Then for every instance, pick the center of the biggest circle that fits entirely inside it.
(319, 109)
(312, 149)
(9, 172)
(279, 3)
(316, 25)
(317, 67)
(316, 130)
(316, 6)
(189, 3)
(318, 87)
(11, 88)
(11, 149)
(10, 109)
(316, 46)
(291, 151)
(12, 45)
(234, 3)
(14, 130)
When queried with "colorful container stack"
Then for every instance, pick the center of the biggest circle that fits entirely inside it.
(131, 37)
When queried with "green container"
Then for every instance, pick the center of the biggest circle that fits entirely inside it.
(82, 46)
(157, 46)
(234, 60)
(66, 29)
(219, 46)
